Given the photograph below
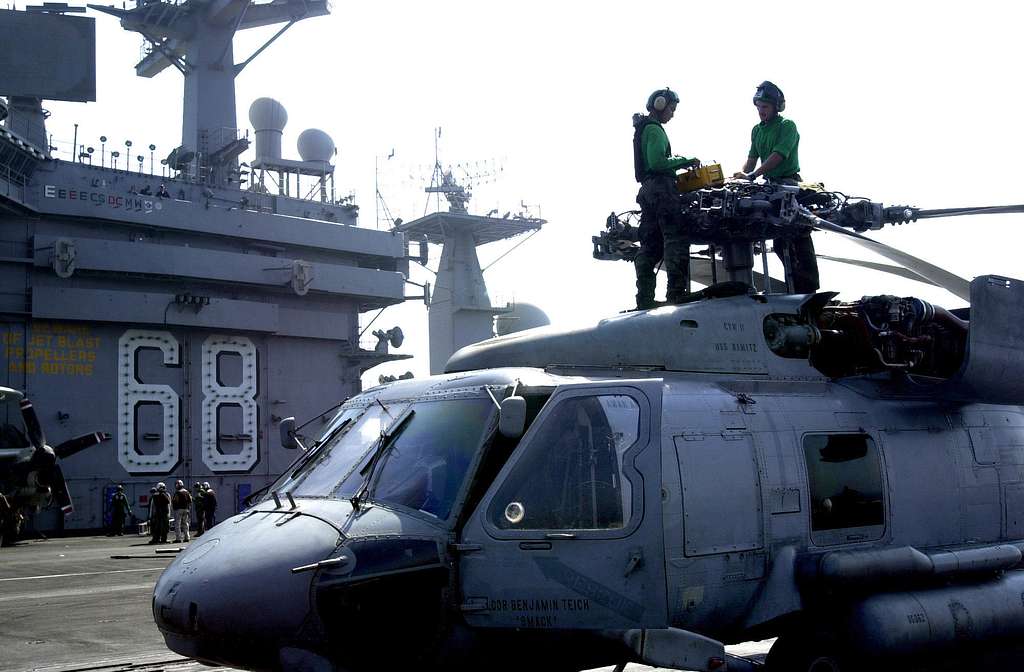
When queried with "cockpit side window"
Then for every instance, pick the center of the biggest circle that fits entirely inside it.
(498, 450)
(572, 476)
(845, 477)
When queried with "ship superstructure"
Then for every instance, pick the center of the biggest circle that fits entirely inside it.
(459, 309)
(184, 313)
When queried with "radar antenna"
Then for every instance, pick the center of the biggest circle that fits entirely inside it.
(459, 308)
(446, 181)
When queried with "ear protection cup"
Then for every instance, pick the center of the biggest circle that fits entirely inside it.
(661, 99)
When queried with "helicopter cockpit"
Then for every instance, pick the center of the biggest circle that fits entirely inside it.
(401, 446)
(12, 425)
(416, 453)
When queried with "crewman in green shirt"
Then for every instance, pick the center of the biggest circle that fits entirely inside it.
(775, 141)
(661, 229)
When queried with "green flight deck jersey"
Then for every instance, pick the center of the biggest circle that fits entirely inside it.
(657, 151)
(776, 136)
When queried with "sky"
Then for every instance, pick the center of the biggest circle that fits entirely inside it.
(906, 103)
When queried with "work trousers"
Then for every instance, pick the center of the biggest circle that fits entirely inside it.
(662, 240)
(200, 522)
(803, 264)
(181, 523)
(117, 523)
(158, 527)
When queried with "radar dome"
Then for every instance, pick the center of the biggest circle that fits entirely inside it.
(315, 145)
(522, 316)
(266, 114)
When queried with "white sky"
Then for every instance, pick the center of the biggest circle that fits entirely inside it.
(906, 102)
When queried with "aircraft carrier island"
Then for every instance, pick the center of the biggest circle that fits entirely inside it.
(182, 305)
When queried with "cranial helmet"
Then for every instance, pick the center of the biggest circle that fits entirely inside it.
(660, 99)
(206, 485)
(197, 485)
(120, 488)
(161, 486)
(179, 484)
(769, 93)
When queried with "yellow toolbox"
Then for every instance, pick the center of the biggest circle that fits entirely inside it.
(709, 175)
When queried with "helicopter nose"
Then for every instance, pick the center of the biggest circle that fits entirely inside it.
(232, 596)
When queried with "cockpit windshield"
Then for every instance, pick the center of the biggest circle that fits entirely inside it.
(343, 446)
(426, 448)
(424, 465)
(12, 426)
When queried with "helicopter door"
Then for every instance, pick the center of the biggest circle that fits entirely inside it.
(569, 534)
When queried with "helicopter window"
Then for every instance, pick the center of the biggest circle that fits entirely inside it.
(335, 459)
(572, 476)
(12, 433)
(845, 479)
(425, 464)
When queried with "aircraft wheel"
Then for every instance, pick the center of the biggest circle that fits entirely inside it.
(792, 653)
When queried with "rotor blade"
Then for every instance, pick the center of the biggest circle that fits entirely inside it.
(32, 426)
(79, 443)
(884, 268)
(959, 212)
(949, 281)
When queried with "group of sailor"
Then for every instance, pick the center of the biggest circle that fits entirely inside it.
(774, 142)
(161, 504)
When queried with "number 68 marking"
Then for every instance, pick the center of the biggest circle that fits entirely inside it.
(131, 393)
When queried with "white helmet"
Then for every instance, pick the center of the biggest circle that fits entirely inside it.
(161, 486)
(206, 484)
(179, 484)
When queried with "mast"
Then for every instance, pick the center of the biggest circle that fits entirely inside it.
(196, 38)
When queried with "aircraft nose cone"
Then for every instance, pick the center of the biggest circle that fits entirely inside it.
(231, 595)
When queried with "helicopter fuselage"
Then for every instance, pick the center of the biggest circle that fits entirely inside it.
(648, 513)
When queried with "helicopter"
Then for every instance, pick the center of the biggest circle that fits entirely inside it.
(843, 476)
(30, 474)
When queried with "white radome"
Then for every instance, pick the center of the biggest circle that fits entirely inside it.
(315, 145)
(266, 114)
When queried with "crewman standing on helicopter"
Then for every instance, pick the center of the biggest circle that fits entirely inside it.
(661, 231)
(775, 141)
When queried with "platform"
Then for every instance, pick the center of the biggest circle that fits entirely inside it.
(437, 225)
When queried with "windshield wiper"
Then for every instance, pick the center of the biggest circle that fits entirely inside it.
(315, 448)
(377, 451)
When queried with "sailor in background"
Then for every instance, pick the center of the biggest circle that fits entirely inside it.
(159, 508)
(197, 500)
(120, 509)
(661, 231)
(182, 504)
(775, 142)
(209, 505)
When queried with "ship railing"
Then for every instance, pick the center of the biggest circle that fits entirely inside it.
(12, 183)
(147, 3)
(126, 161)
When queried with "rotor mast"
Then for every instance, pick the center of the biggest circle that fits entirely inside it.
(196, 37)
